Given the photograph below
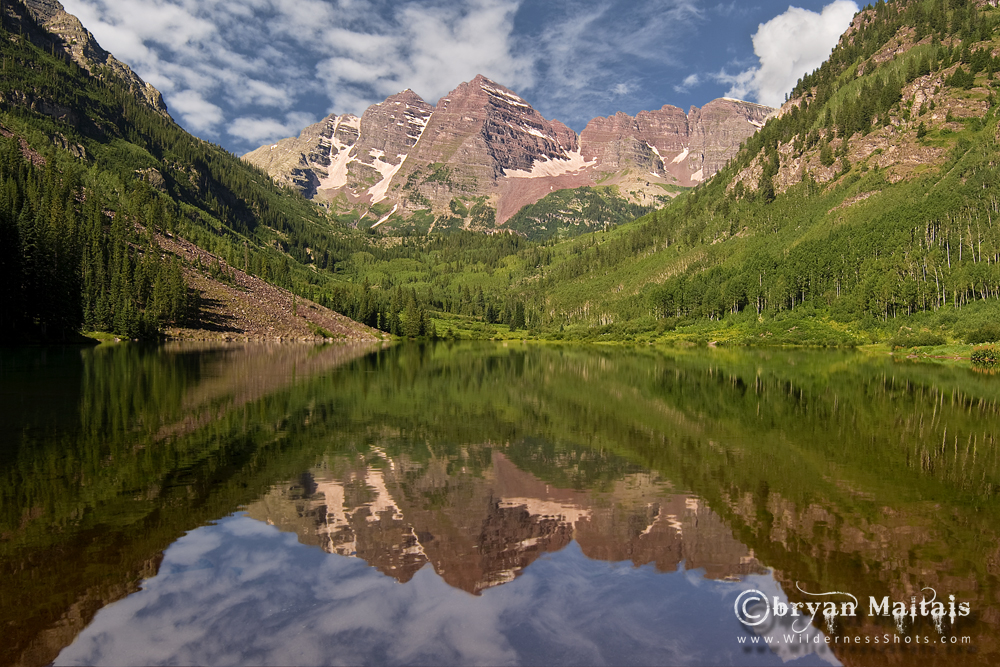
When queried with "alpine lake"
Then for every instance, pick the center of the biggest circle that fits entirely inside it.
(495, 504)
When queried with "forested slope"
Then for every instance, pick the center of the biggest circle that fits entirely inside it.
(864, 211)
(869, 205)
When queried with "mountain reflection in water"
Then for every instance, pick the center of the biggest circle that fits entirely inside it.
(553, 505)
(240, 592)
(482, 531)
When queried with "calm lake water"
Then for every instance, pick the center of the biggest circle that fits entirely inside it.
(495, 505)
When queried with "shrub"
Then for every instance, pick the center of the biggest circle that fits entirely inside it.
(826, 155)
(985, 356)
(918, 339)
(986, 333)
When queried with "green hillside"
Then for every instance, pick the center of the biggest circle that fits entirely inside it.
(89, 173)
(568, 213)
(85, 162)
(865, 211)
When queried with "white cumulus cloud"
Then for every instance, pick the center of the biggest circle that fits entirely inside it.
(428, 48)
(688, 83)
(261, 130)
(789, 46)
(199, 113)
(235, 68)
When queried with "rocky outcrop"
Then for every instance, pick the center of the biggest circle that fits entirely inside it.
(80, 45)
(483, 144)
(387, 132)
(349, 156)
(239, 306)
(719, 127)
(304, 161)
(487, 125)
(684, 148)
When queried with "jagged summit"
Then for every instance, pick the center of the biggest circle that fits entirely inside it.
(484, 144)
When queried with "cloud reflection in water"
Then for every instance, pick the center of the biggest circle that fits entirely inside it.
(241, 592)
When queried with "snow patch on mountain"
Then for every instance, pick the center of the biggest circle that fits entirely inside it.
(504, 96)
(565, 513)
(574, 162)
(683, 156)
(388, 170)
(419, 120)
(386, 216)
(339, 162)
(536, 132)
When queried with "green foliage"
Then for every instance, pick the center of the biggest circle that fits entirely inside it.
(730, 259)
(439, 174)
(985, 333)
(826, 157)
(862, 250)
(908, 339)
(961, 79)
(199, 191)
(568, 213)
(986, 356)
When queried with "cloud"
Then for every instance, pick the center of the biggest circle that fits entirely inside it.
(584, 51)
(232, 70)
(789, 46)
(734, 9)
(197, 112)
(429, 48)
(251, 61)
(259, 131)
(211, 59)
(689, 82)
(238, 591)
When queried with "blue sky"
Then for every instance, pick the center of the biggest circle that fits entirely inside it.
(243, 73)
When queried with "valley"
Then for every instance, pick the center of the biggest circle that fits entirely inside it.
(859, 213)
(449, 382)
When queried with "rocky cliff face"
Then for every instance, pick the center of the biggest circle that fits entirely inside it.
(80, 45)
(719, 127)
(347, 156)
(305, 161)
(484, 148)
(685, 148)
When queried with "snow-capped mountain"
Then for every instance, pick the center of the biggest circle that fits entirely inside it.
(484, 144)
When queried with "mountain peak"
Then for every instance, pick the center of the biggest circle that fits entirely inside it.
(76, 41)
(484, 143)
(405, 97)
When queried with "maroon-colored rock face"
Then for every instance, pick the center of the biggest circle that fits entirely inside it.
(482, 142)
(388, 131)
(719, 128)
(481, 131)
(689, 147)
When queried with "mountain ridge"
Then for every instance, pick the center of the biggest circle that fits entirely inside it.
(79, 44)
(482, 143)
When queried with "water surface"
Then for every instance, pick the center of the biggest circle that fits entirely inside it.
(489, 504)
